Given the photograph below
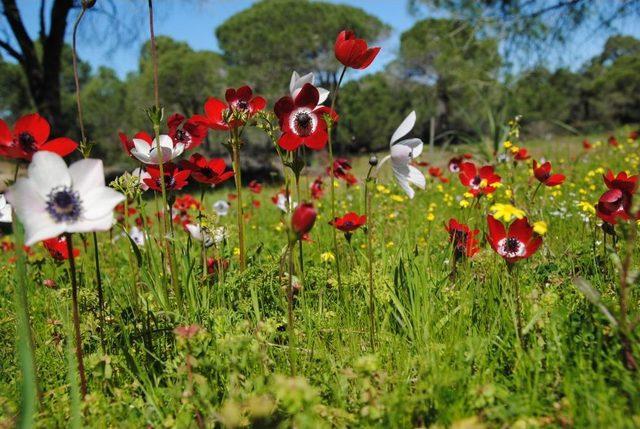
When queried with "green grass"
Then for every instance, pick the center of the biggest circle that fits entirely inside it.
(446, 351)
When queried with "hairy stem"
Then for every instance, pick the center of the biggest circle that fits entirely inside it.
(76, 315)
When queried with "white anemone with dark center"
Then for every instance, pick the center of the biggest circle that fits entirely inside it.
(511, 247)
(55, 199)
(303, 121)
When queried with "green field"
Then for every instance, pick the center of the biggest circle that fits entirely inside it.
(445, 351)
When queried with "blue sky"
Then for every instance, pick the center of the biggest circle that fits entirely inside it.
(194, 23)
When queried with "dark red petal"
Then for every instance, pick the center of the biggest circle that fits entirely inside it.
(496, 230)
(521, 230)
(365, 60)
(217, 165)
(555, 180)
(307, 97)
(283, 107)
(63, 146)
(230, 95)
(35, 125)
(486, 172)
(175, 120)
(244, 93)
(532, 246)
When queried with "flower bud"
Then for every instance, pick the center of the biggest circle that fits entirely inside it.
(88, 4)
(373, 160)
(304, 216)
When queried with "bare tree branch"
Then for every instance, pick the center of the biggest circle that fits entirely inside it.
(12, 52)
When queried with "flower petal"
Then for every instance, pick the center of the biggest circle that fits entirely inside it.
(405, 127)
(100, 202)
(47, 171)
(87, 175)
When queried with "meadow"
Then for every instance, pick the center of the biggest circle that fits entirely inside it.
(491, 284)
(445, 354)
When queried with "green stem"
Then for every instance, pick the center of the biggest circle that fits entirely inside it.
(96, 256)
(235, 154)
(333, 198)
(369, 233)
(290, 327)
(76, 315)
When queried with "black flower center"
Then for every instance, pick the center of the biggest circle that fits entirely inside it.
(27, 142)
(304, 123)
(476, 181)
(242, 105)
(63, 204)
(182, 136)
(511, 245)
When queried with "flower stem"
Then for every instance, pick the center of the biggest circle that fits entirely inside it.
(516, 291)
(369, 233)
(203, 249)
(300, 254)
(96, 256)
(235, 154)
(333, 198)
(76, 315)
(290, 327)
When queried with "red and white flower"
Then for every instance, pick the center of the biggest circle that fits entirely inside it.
(302, 120)
(5, 210)
(297, 82)
(518, 242)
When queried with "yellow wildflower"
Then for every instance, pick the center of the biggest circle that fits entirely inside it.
(397, 198)
(507, 144)
(431, 217)
(540, 227)
(327, 257)
(587, 207)
(464, 203)
(506, 212)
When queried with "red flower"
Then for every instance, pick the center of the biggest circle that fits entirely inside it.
(190, 133)
(232, 197)
(341, 168)
(522, 155)
(478, 181)
(463, 239)
(612, 141)
(256, 203)
(30, 135)
(58, 249)
(304, 216)
(349, 222)
(454, 164)
(302, 120)
(316, 189)
(255, 186)
(622, 181)
(543, 174)
(633, 135)
(353, 52)
(215, 265)
(617, 201)
(187, 202)
(174, 178)
(127, 144)
(435, 171)
(211, 172)
(518, 242)
(614, 204)
(586, 145)
(239, 102)
(467, 155)
(421, 163)
(121, 215)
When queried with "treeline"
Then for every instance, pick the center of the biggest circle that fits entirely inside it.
(446, 70)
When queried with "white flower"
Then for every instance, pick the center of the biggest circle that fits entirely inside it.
(282, 202)
(402, 152)
(148, 152)
(297, 82)
(55, 199)
(199, 234)
(219, 234)
(5, 210)
(137, 236)
(141, 175)
(221, 207)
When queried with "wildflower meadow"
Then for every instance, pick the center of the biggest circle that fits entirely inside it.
(472, 285)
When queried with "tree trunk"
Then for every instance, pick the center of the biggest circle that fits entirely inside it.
(442, 105)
